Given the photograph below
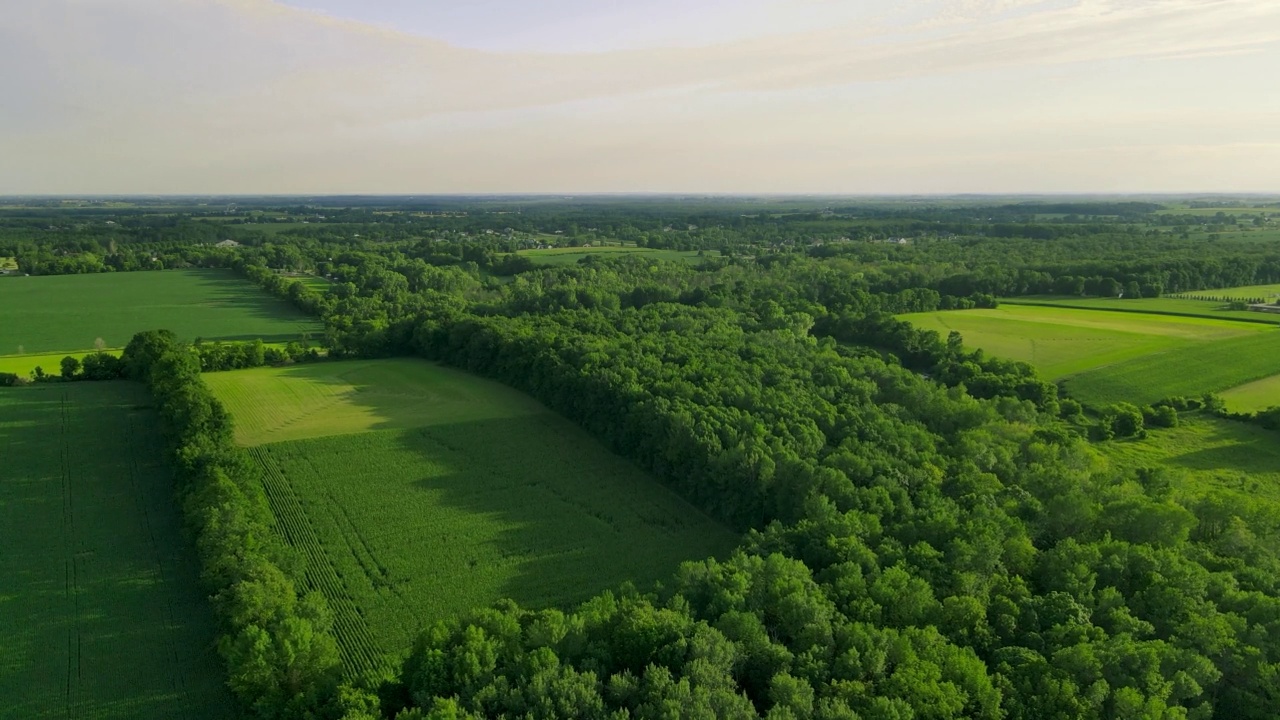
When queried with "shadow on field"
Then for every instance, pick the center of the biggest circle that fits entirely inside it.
(575, 518)
(1238, 447)
(451, 516)
(224, 289)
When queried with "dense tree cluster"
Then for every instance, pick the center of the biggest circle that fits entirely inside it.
(912, 550)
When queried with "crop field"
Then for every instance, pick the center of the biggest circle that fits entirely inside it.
(424, 492)
(66, 313)
(1065, 341)
(100, 610)
(1158, 306)
(1103, 356)
(1244, 292)
(1194, 369)
(571, 255)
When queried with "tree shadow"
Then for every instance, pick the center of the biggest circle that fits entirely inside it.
(225, 289)
(426, 520)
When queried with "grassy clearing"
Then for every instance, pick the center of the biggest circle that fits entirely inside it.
(70, 312)
(8, 263)
(447, 493)
(1065, 341)
(336, 398)
(1207, 453)
(100, 609)
(571, 255)
(1162, 305)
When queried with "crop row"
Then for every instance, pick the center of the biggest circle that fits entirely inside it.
(359, 650)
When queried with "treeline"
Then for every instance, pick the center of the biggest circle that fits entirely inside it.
(282, 660)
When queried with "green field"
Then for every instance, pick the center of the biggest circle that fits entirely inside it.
(1065, 341)
(51, 363)
(424, 492)
(1102, 356)
(101, 615)
(1161, 305)
(322, 399)
(65, 313)
(1254, 396)
(8, 263)
(1245, 292)
(1191, 370)
(571, 255)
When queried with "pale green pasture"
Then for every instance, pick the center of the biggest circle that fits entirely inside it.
(51, 363)
(1254, 396)
(338, 398)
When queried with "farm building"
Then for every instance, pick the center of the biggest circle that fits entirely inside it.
(1264, 307)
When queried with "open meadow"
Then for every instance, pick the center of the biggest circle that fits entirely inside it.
(70, 313)
(101, 613)
(415, 492)
(1204, 454)
(1104, 356)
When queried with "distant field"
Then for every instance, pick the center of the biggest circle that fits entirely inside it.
(1179, 306)
(101, 616)
(1067, 341)
(24, 365)
(1210, 453)
(8, 263)
(571, 255)
(447, 492)
(64, 313)
(1244, 292)
(1104, 356)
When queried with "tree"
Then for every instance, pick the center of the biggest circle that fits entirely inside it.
(70, 368)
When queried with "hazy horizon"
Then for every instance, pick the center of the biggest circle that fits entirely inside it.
(657, 97)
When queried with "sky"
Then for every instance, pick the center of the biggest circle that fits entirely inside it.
(678, 96)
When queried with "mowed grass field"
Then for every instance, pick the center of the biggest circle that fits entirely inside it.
(101, 615)
(420, 492)
(1102, 356)
(66, 313)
